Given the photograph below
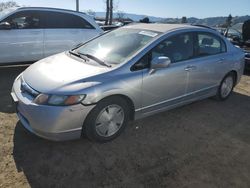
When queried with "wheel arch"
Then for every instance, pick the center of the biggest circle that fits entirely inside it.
(127, 99)
(235, 75)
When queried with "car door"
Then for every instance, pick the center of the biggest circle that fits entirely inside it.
(208, 68)
(167, 86)
(24, 41)
(63, 31)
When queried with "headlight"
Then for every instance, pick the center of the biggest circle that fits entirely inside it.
(58, 100)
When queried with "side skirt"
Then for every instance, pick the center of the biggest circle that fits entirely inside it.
(176, 102)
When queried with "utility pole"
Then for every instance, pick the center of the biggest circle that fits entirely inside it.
(77, 5)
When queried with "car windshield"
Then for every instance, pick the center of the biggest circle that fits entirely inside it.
(119, 45)
(3, 13)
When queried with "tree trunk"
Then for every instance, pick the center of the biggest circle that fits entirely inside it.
(111, 12)
(107, 12)
(77, 5)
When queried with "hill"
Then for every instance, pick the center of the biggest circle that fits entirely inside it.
(211, 21)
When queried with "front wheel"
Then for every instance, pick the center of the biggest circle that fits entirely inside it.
(226, 87)
(107, 120)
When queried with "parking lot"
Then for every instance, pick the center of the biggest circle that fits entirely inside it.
(205, 144)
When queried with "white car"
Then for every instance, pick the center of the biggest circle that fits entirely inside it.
(29, 34)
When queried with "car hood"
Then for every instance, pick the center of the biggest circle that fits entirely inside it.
(61, 73)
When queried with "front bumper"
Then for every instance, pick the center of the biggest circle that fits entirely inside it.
(51, 122)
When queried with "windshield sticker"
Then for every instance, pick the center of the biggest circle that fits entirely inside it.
(148, 33)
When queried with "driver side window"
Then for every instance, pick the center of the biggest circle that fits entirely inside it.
(176, 48)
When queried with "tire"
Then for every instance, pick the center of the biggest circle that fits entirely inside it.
(226, 87)
(107, 120)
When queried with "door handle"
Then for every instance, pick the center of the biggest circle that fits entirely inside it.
(190, 67)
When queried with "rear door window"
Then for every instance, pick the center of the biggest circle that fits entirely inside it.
(59, 20)
(209, 44)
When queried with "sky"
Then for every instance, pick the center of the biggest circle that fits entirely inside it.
(158, 8)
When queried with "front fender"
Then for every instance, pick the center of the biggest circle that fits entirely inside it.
(129, 85)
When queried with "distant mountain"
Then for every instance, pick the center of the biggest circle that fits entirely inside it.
(212, 21)
(135, 17)
(216, 21)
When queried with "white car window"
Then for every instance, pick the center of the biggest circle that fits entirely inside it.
(24, 20)
(57, 20)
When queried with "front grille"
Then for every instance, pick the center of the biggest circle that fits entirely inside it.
(25, 88)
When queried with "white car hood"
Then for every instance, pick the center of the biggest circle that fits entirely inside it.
(61, 73)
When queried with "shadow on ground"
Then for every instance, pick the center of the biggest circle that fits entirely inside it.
(205, 144)
(7, 77)
(247, 72)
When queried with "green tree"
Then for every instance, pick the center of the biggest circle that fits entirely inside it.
(229, 20)
(184, 19)
(145, 20)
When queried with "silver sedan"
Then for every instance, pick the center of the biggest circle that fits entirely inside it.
(129, 73)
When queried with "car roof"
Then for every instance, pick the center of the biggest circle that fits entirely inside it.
(81, 14)
(49, 8)
(163, 28)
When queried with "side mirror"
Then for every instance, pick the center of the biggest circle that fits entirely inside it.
(5, 26)
(159, 63)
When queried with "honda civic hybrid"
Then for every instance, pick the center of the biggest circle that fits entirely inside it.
(126, 74)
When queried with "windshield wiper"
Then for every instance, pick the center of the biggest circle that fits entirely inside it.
(95, 59)
(78, 55)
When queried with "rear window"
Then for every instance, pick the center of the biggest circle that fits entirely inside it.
(59, 20)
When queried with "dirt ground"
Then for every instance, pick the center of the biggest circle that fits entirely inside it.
(205, 145)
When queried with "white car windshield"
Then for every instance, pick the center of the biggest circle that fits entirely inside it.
(117, 46)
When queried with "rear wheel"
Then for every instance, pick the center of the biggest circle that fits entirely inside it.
(226, 87)
(107, 120)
